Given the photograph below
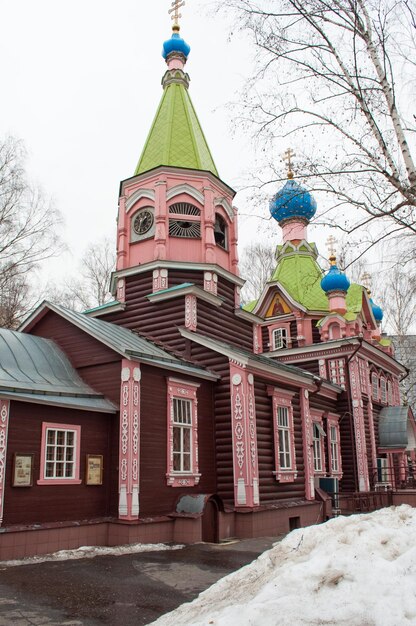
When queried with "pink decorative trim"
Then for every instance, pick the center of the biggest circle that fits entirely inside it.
(211, 282)
(333, 420)
(190, 312)
(307, 444)
(372, 433)
(359, 428)
(121, 289)
(322, 369)
(283, 399)
(257, 339)
(160, 279)
(185, 391)
(43, 480)
(244, 433)
(4, 425)
(129, 444)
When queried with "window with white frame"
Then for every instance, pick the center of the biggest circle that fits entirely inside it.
(374, 386)
(280, 338)
(182, 435)
(60, 454)
(390, 392)
(182, 466)
(283, 425)
(317, 441)
(284, 438)
(337, 371)
(383, 390)
(334, 445)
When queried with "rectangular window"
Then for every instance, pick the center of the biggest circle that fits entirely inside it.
(390, 392)
(374, 386)
(182, 432)
(337, 371)
(317, 439)
(182, 453)
(60, 454)
(285, 460)
(283, 432)
(333, 438)
(279, 338)
(383, 390)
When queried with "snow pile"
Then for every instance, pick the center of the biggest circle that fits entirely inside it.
(89, 552)
(358, 570)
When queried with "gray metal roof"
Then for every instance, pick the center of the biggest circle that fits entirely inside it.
(34, 365)
(393, 427)
(123, 341)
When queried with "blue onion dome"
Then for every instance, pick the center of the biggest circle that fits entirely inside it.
(377, 311)
(334, 279)
(175, 44)
(292, 201)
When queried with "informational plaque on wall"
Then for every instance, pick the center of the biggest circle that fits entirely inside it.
(22, 470)
(94, 472)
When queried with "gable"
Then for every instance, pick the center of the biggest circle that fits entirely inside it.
(81, 349)
(278, 306)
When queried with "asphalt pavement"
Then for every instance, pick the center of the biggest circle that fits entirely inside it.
(128, 590)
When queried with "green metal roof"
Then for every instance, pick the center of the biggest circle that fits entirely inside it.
(176, 137)
(300, 276)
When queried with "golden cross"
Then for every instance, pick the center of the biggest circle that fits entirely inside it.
(288, 157)
(330, 242)
(176, 4)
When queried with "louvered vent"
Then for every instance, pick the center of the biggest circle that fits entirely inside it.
(184, 208)
(182, 228)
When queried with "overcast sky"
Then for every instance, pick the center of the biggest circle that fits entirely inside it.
(81, 84)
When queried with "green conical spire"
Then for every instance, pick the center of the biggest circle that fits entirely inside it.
(176, 136)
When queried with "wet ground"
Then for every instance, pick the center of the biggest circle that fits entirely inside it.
(128, 590)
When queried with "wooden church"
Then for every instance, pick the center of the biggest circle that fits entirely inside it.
(173, 413)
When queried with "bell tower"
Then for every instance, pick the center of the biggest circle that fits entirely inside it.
(176, 211)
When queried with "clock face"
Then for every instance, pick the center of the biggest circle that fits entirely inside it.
(143, 222)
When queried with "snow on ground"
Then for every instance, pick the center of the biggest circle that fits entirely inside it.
(89, 552)
(358, 570)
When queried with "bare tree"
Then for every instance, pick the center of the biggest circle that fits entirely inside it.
(92, 288)
(398, 302)
(256, 267)
(336, 79)
(28, 225)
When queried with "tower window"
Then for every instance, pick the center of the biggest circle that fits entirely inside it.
(220, 231)
(187, 222)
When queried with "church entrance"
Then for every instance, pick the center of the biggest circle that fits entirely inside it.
(210, 522)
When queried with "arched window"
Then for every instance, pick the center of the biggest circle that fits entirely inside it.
(186, 222)
(220, 232)
(334, 331)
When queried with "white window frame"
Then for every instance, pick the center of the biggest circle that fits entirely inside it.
(182, 416)
(55, 454)
(336, 368)
(284, 435)
(283, 338)
(318, 447)
(383, 390)
(374, 386)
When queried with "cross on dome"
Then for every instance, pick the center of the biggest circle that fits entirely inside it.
(176, 5)
(330, 242)
(288, 157)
